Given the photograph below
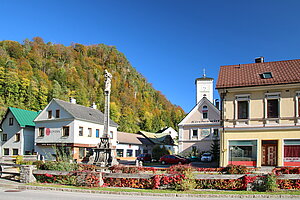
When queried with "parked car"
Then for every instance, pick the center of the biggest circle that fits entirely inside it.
(193, 158)
(144, 157)
(172, 159)
(206, 157)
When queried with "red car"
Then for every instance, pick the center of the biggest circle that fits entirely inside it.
(172, 159)
(144, 157)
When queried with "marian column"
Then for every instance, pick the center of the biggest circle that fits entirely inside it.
(105, 153)
(108, 77)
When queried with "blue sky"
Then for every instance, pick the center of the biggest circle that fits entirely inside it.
(168, 41)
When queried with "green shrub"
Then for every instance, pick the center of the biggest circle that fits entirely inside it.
(58, 166)
(188, 182)
(271, 184)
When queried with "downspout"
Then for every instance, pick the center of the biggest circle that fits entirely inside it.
(222, 149)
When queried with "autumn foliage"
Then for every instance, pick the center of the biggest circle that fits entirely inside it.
(34, 72)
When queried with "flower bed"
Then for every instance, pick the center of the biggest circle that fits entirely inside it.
(286, 170)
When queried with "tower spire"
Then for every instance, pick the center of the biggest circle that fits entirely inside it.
(204, 75)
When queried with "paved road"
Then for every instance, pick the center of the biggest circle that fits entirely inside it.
(12, 194)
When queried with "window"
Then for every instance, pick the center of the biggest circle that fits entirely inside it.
(81, 152)
(266, 75)
(41, 132)
(90, 132)
(49, 114)
(66, 131)
(272, 108)
(4, 137)
(6, 151)
(11, 121)
(120, 152)
(291, 150)
(111, 133)
(97, 133)
(298, 107)
(242, 150)
(129, 153)
(216, 133)
(15, 152)
(205, 112)
(195, 133)
(57, 113)
(17, 137)
(80, 131)
(242, 109)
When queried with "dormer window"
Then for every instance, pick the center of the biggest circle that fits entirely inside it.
(266, 75)
(205, 112)
(49, 114)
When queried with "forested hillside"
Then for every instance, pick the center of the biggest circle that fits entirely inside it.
(34, 72)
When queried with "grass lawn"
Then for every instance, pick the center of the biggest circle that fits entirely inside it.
(281, 192)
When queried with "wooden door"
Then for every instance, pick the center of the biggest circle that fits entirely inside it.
(269, 155)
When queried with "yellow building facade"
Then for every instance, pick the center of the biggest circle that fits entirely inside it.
(260, 116)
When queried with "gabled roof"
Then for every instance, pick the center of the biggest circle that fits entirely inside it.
(133, 138)
(283, 72)
(23, 117)
(196, 107)
(83, 113)
(158, 138)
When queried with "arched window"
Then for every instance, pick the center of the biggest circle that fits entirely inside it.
(205, 112)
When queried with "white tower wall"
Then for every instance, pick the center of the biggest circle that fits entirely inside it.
(204, 87)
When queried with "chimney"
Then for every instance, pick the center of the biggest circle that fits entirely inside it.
(259, 59)
(72, 100)
(94, 105)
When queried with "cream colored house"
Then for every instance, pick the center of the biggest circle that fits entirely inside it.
(201, 126)
(260, 113)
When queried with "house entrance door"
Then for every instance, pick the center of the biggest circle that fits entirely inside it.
(269, 153)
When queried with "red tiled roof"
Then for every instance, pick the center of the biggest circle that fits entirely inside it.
(287, 71)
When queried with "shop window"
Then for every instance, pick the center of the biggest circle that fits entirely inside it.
(6, 151)
(15, 152)
(242, 150)
(80, 131)
(120, 152)
(292, 151)
(129, 153)
(4, 137)
(66, 131)
(41, 132)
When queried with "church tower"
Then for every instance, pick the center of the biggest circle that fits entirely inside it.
(204, 88)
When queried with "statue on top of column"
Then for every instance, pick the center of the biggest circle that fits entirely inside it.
(108, 77)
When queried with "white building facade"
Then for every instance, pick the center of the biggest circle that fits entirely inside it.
(199, 129)
(64, 125)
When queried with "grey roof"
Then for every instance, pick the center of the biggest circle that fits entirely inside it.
(84, 113)
(133, 138)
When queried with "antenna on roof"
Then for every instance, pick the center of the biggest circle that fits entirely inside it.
(204, 75)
